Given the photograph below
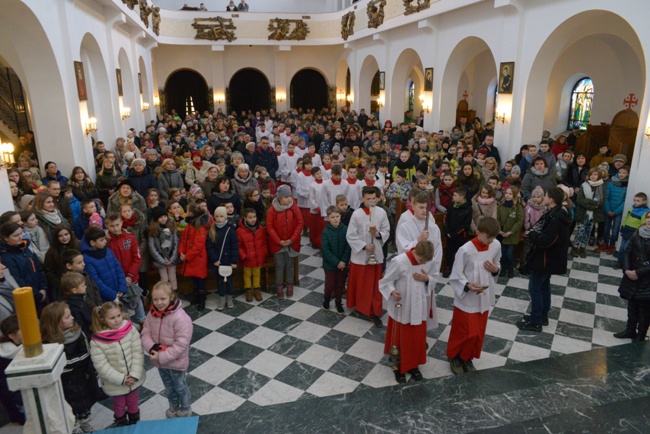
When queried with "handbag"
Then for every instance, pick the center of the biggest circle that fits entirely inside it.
(224, 270)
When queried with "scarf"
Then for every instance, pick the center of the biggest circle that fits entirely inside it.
(54, 217)
(446, 194)
(592, 192)
(404, 165)
(220, 225)
(618, 182)
(508, 203)
(539, 172)
(644, 232)
(281, 208)
(533, 205)
(110, 336)
(165, 236)
(131, 222)
(485, 201)
(197, 165)
(169, 309)
(458, 205)
(72, 334)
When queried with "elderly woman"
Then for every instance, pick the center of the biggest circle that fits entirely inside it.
(243, 180)
(169, 177)
(125, 193)
(197, 169)
(249, 154)
(235, 160)
(209, 184)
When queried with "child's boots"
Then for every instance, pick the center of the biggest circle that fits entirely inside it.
(279, 291)
(257, 294)
(289, 290)
(119, 421)
(249, 295)
(134, 417)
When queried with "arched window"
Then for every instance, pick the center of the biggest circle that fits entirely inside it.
(496, 102)
(411, 96)
(582, 99)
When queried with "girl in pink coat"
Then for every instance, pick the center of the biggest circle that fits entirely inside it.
(166, 337)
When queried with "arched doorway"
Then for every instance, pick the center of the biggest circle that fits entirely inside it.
(186, 90)
(308, 90)
(249, 89)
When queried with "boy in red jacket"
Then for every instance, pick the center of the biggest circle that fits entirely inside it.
(253, 250)
(284, 223)
(126, 249)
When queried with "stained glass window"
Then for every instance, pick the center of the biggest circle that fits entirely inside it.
(411, 96)
(582, 99)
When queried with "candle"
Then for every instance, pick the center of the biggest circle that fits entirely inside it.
(373, 221)
(28, 321)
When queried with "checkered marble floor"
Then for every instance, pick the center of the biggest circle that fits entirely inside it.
(278, 351)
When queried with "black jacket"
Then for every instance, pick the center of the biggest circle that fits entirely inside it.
(550, 242)
(458, 220)
(637, 258)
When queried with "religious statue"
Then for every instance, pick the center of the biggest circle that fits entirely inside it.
(130, 3)
(214, 29)
(145, 10)
(419, 5)
(375, 11)
(155, 20)
(347, 25)
(280, 28)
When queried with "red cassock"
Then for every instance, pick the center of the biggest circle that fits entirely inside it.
(363, 289)
(316, 226)
(411, 341)
(467, 334)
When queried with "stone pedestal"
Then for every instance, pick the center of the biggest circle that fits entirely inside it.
(39, 381)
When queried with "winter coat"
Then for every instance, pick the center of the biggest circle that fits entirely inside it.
(82, 193)
(48, 226)
(208, 187)
(534, 179)
(116, 359)
(81, 310)
(458, 221)
(169, 179)
(253, 245)
(60, 178)
(224, 248)
(285, 225)
(634, 218)
(574, 176)
(126, 249)
(615, 196)
(39, 242)
(7, 285)
(218, 199)
(511, 220)
(549, 252)
(173, 331)
(142, 182)
(588, 204)
(266, 159)
(136, 200)
(240, 185)
(81, 225)
(24, 267)
(637, 258)
(79, 379)
(482, 210)
(105, 270)
(105, 183)
(192, 245)
(194, 175)
(531, 216)
(158, 254)
(335, 247)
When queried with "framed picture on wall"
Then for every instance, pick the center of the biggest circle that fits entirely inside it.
(382, 80)
(140, 82)
(506, 76)
(118, 74)
(428, 79)
(81, 81)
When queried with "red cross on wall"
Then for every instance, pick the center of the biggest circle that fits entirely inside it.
(630, 101)
(465, 95)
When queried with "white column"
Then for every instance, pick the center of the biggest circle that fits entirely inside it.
(39, 381)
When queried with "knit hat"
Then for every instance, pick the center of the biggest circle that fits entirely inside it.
(129, 156)
(194, 189)
(619, 157)
(139, 161)
(195, 153)
(568, 190)
(336, 148)
(515, 169)
(26, 200)
(423, 140)
(283, 191)
(158, 212)
(538, 191)
(125, 182)
(220, 211)
(604, 166)
(483, 151)
(95, 220)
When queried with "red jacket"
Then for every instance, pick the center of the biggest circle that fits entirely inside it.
(126, 249)
(192, 245)
(253, 246)
(285, 225)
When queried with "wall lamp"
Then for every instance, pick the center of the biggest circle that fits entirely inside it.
(145, 106)
(126, 112)
(91, 125)
(7, 151)
(500, 117)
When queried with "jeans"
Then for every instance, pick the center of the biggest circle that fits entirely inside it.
(178, 392)
(140, 314)
(507, 256)
(539, 289)
(621, 249)
(612, 224)
(225, 288)
(583, 231)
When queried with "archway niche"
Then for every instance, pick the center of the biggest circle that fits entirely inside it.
(249, 89)
(368, 73)
(407, 84)
(98, 87)
(186, 90)
(308, 90)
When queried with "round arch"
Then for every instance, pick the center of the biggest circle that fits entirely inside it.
(560, 60)
(183, 84)
(471, 67)
(408, 69)
(98, 85)
(128, 92)
(369, 68)
(249, 89)
(308, 90)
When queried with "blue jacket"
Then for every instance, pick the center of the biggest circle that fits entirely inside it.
(142, 183)
(105, 270)
(81, 224)
(62, 179)
(230, 249)
(615, 196)
(24, 267)
(266, 159)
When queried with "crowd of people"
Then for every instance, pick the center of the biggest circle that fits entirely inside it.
(209, 193)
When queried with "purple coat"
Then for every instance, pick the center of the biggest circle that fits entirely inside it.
(174, 331)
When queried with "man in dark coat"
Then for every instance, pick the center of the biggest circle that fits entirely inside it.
(265, 156)
(549, 238)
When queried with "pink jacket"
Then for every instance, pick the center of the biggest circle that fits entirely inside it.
(174, 331)
(531, 215)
